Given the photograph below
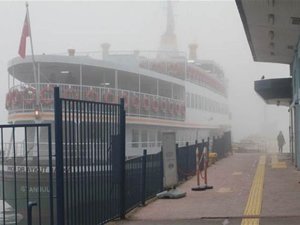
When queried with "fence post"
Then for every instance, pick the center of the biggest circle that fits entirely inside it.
(214, 144)
(230, 143)
(143, 184)
(162, 168)
(29, 211)
(122, 159)
(60, 211)
(208, 144)
(177, 157)
(187, 169)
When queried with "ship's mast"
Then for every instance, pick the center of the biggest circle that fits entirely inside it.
(168, 42)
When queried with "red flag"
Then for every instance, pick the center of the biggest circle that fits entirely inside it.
(25, 34)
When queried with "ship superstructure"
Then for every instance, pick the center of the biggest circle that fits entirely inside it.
(163, 90)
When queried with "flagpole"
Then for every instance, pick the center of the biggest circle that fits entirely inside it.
(37, 91)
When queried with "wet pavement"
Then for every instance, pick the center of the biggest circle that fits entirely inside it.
(264, 186)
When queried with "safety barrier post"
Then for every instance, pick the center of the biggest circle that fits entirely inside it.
(143, 182)
(206, 157)
(198, 161)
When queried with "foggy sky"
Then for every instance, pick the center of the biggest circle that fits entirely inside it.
(129, 25)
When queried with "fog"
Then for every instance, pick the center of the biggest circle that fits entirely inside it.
(129, 25)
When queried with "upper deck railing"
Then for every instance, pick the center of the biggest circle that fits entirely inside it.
(22, 98)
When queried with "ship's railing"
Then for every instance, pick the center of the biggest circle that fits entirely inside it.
(132, 148)
(22, 98)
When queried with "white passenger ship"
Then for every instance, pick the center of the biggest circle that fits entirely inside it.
(163, 90)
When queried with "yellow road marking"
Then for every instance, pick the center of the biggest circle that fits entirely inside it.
(253, 207)
(276, 164)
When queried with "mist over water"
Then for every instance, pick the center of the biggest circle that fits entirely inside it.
(214, 25)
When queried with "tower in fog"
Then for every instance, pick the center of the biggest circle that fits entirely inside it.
(168, 41)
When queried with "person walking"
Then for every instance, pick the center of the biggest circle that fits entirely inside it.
(280, 141)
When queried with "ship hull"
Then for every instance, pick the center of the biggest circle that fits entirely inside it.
(82, 192)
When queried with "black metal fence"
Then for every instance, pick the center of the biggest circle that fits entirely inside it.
(90, 158)
(26, 177)
(186, 159)
(222, 145)
(144, 178)
(144, 175)
(94, 184)
(186, 155)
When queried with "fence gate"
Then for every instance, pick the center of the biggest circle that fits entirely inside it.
(26, 172)
(90, 161)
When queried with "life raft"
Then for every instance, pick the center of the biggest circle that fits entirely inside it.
(154, 105)
(92, 95)
(29, 95)
(46, 95)
(134, 102)
(109, 97)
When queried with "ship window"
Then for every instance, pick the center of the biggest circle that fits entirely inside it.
(135, 138)
(178, 92)
(187, 100)
(151, 139)
(201, 102)
(204, 104)
(93, 76)
(144, 138)
(193, 101)
(128, 81)
(165, 89)
(158, 138)
(148, 85)
(198, 102)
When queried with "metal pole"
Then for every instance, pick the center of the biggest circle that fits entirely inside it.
(122, 160)
(116, 80)
(38, 83)
(59, 158)
(162, 169)
(80, 80)
(187, 155)
(29, 211)
(198, 167)
(33, 60)
(143, 182)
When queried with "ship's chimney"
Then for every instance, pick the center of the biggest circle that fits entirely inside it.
(193, 51)
(71, 52)
(105, 50)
